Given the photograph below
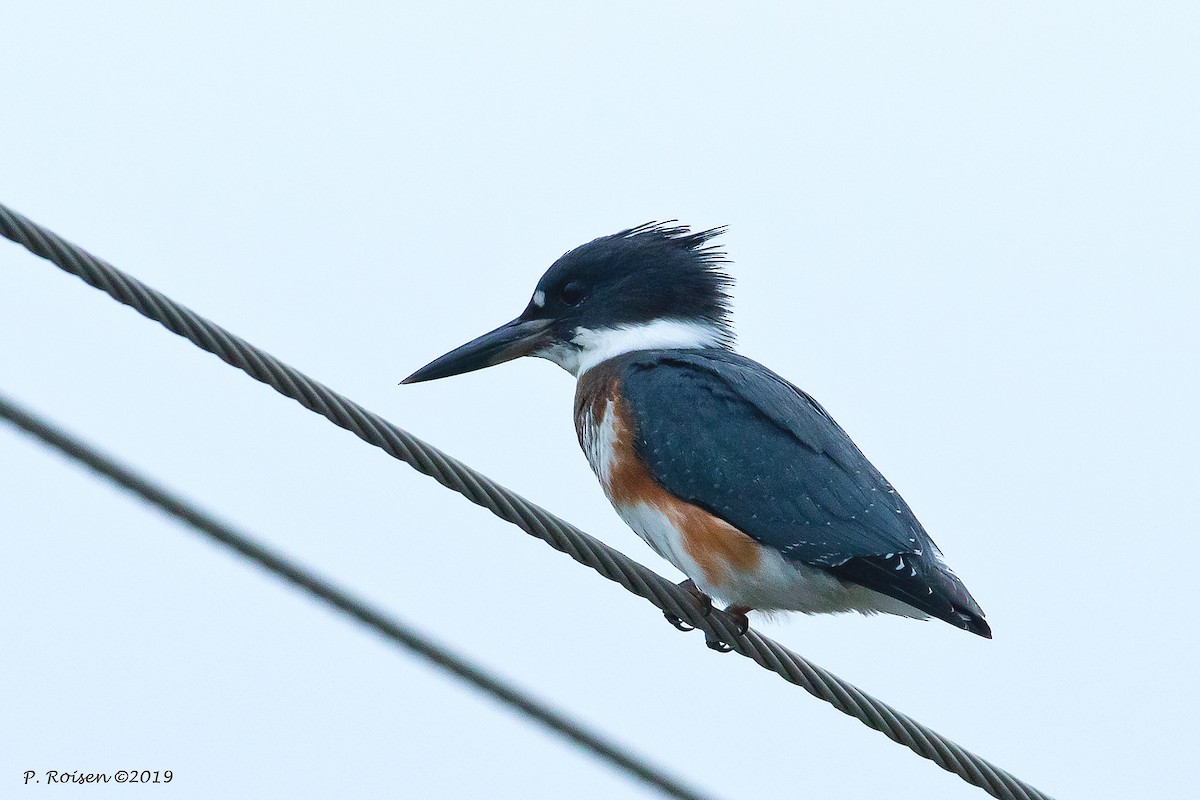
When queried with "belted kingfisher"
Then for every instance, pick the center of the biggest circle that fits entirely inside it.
(731, 473)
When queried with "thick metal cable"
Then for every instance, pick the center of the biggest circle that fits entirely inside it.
(513, 508)
(305, 579)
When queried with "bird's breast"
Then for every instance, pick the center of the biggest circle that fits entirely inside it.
(704, 547)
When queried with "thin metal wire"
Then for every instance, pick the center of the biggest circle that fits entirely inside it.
(513, 508)
(323, 589)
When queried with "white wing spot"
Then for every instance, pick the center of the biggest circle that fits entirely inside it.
(539, 298)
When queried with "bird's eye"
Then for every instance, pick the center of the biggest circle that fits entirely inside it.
(573, 293)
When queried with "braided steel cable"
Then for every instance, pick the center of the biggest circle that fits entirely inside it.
(513, 508)
(240, 542)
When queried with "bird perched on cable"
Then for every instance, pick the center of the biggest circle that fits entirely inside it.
(731, 473)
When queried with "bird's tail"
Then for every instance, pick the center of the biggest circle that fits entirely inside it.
(920, 581)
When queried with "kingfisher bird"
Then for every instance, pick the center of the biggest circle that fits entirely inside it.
(737, 477)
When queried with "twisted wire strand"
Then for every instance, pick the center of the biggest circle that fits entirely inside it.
(211, 526)
(513, 508)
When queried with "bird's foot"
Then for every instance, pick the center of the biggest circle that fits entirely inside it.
(705, 604)
(739, 619)
(739, 614)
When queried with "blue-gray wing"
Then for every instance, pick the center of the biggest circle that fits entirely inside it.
(725, 433)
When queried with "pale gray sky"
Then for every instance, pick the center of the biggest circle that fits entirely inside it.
(968, 229)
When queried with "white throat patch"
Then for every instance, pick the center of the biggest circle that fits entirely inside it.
(590, 347)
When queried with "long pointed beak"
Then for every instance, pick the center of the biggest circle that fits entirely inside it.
(511, 340)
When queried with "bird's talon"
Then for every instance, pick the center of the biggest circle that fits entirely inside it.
(718, 645)
(678, 623)
(740, 619)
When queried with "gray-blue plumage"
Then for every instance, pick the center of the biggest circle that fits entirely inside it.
(728, 435)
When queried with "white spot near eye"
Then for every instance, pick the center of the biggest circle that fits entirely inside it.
(539, 298)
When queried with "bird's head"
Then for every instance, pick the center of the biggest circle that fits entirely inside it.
(655, 286)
